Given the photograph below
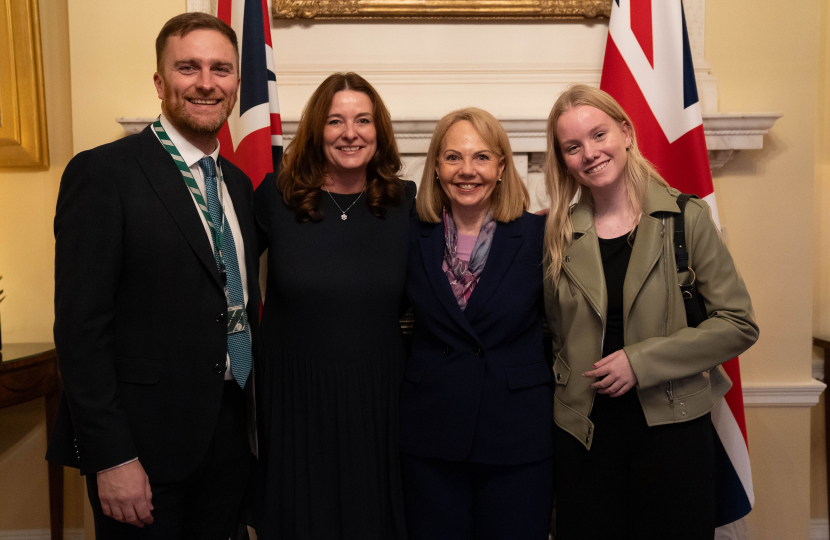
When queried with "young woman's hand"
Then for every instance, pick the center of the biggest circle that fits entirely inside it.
(614, 374)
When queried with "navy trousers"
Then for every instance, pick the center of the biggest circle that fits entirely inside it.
(448, 500)
(204, 506)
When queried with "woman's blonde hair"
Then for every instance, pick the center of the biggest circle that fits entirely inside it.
(510, 197)
(561, 185)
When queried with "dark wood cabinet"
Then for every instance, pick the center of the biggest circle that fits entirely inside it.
(29, 371)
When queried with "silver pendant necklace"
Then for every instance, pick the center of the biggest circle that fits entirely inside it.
(343, 215)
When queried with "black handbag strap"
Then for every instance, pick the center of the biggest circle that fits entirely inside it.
(692, 300)
(681, 255)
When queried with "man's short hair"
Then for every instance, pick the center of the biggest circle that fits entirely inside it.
(183, 24)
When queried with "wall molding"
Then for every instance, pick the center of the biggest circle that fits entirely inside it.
(779, 395)
(204, 6)
(819, 529)
(726, 133)
(41, 534)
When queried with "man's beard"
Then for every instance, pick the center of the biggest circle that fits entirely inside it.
(177, 113)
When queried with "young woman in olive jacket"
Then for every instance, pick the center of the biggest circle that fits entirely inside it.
(634, 384)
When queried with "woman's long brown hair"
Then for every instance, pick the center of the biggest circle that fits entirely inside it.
(304, 164)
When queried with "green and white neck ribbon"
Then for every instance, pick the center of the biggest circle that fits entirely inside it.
(216, 232)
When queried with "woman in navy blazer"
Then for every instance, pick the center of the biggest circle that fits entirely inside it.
(476, 423)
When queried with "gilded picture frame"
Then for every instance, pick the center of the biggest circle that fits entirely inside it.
(441, 9)
(23, 136)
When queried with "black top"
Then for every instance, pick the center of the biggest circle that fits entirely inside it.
(333, 359)
(615, 252)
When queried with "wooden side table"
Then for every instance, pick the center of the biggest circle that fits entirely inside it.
(29, 371)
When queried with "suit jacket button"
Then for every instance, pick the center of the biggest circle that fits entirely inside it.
(447, 350)
(220, 317)
(480, 352)
(219, 368)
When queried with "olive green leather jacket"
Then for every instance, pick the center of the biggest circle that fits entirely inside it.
(678, 369)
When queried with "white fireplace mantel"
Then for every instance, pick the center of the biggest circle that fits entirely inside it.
(726, 134)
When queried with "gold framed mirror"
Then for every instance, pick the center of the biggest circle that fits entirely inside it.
(23, 137)
(441, 9)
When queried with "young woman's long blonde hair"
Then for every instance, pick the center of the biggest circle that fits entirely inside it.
(561, 185)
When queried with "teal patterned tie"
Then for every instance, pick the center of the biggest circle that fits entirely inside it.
(239, 344)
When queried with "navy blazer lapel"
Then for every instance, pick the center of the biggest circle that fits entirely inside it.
(166, 179)
(507, 239)
(432, 253)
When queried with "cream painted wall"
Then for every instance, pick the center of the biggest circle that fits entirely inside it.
(424, 70)
(821, 266)
(780, 453)
(765, 200)
(27, 199)
(765, 196)
(27, 206)
(112, 48)
(821, 306)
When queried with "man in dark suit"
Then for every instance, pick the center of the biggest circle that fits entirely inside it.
(156, 306)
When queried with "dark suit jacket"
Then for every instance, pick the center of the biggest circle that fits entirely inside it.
(140, 310)
(477, 386)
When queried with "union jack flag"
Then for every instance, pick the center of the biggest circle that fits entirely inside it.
(648, 69)
(252, 137)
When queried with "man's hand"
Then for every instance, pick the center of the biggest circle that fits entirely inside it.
(615, 374)
(125, 494)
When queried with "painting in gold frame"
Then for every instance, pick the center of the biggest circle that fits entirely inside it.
(23, 138)
(440, 9)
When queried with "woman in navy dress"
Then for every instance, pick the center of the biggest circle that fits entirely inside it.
(336, 220)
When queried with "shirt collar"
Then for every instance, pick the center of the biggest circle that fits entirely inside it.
(190, 154)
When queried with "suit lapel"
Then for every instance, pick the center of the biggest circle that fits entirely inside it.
(507, 240)
(582, 262)
(167, 181)
(432, 253)
(583, 266)
(649, 243)
(644, 255)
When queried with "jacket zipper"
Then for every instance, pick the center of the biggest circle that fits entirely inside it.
(670, 393)
(601, 345)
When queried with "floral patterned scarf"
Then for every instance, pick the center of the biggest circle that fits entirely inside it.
(463, 276)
